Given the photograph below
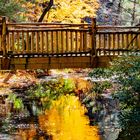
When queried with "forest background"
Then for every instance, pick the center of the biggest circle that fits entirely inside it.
(107, 12)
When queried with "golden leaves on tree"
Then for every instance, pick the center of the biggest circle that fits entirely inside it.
(66, 11)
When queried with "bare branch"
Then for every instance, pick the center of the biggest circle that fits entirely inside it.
(45, 11)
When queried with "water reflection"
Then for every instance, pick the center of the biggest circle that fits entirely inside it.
(64, 120)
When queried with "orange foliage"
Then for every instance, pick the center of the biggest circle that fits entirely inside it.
(29, 133)
(82, 85)
(68, 11)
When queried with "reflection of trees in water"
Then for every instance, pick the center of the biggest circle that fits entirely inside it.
(65, 112)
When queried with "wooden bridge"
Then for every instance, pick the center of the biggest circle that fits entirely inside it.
(51, 45)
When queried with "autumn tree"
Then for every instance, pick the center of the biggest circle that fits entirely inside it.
(69, 11)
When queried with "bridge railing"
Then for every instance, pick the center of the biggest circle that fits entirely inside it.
(48, 39)
(117, 40)
(68, 39)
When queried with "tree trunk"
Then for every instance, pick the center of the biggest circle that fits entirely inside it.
(45, 11)
(134, 11)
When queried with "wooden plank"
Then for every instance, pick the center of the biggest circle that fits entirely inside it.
(84, 41)
(65, 59)
(93, 33)
(104, 44)
(62, 42)
(39, 60)
(27, 42)
(67, 42)
(114, 46)
(37, 41)
(121, 43)
(3, 40)
(74, 42)
(117, 43)
(71, 41)
(138, 41)
(18, 60)
(131, 41)
(32, 42)
(46, 42)
(54, 60)
(13, 42)
(7, 40)
(49, 42)
(81, 59)
(57, 42)
(127, 41)
(38, 66)
(18, 39)
(54, 66)
(134, 40)
(52, 42)
(41, 42)
(109, 42)
(81, 41)
(19, 67)
(0, 42)
(100, 43)
(23, 43)
(76, 39)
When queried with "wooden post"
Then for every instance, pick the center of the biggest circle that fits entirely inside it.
(93, 40)
(94, 59)
(4, 36)
(5, 60)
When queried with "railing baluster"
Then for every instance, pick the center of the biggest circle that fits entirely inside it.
(37, 42)
(52, 45)
(114, 46)
(46, 42)
(127, 40)
(76, 39)
(138, 41)
(117, 45)
(13, 42)
(41, 42)
(57, 42)
(71, 41)
(100, 43)
(134, 40)
(32, 42)
(85, 41)
(0, 42)
(18, 38)
(104, 44)
(67, 41)
(109, 42)
(8, 45)
(62, 41)
(81, 41)
(131, 41)
(27, 42)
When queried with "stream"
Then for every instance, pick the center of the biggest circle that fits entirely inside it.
(25, 124)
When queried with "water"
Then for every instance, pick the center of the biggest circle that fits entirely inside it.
(26, 124)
